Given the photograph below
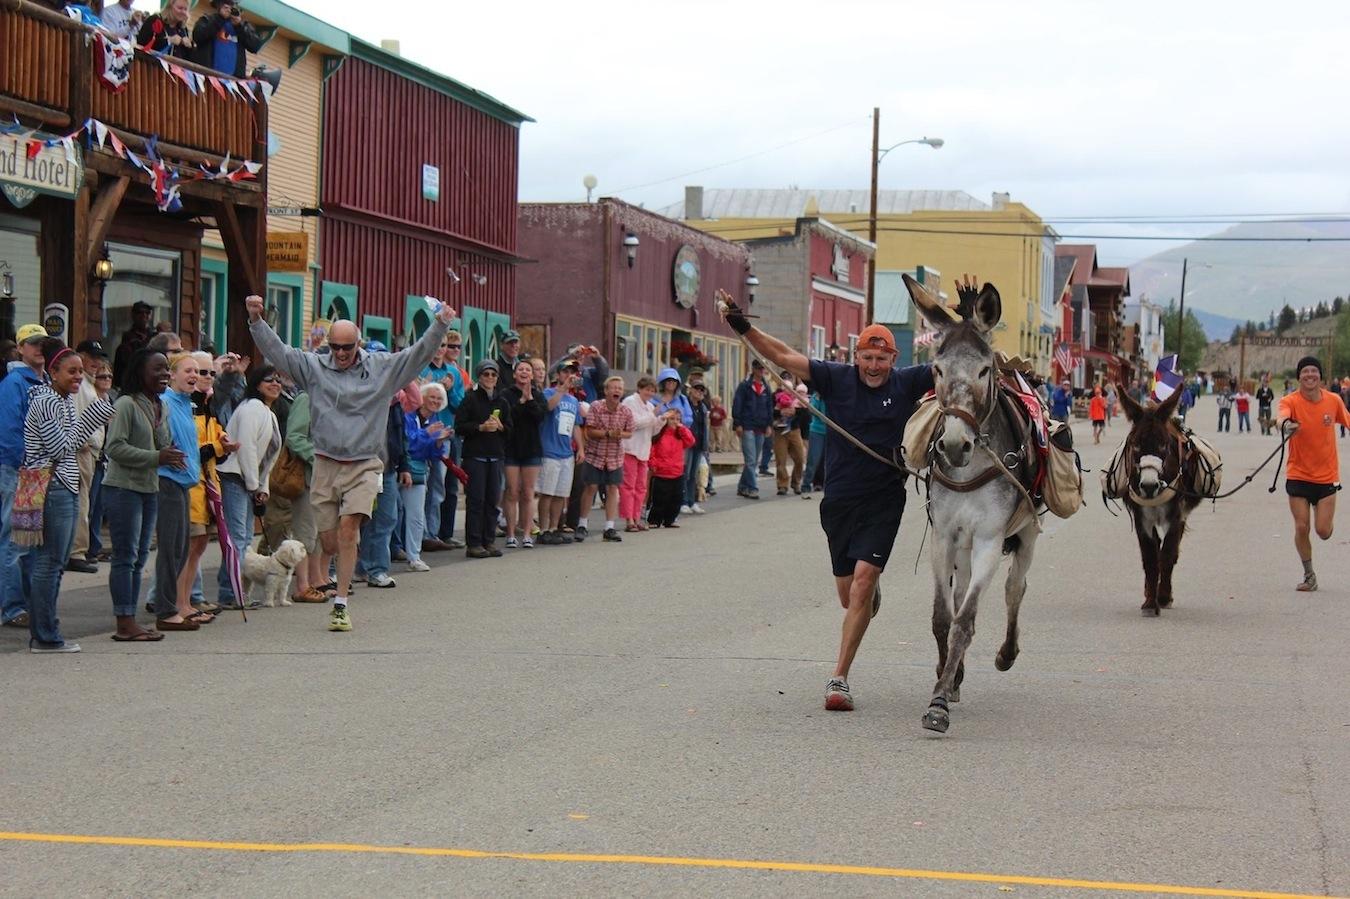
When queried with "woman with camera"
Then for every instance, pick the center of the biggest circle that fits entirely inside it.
(244, 475)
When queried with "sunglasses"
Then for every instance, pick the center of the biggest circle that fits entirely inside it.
(270, 379)
(489, 373)
(102, 377)
(206, 373)
(452, 346)
(342, 347)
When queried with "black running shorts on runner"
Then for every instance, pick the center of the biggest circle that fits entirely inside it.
(1309, 490)
(861, 528)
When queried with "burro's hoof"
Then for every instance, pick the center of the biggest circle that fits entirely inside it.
(955, 695)
(1150, 611)
(1003, 663)
(936, 718)
(1164, 603)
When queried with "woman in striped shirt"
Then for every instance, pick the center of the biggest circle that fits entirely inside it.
(53, 435)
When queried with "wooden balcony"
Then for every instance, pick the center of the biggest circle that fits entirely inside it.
(47, 77)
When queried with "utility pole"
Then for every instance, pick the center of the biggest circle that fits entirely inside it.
(1181, 312)
(870, 308)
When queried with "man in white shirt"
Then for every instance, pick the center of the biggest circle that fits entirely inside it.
(121, 20)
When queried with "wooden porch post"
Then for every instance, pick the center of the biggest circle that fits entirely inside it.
(243, 230)
(66, 274)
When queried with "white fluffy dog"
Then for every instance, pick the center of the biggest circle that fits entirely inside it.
(272, 573)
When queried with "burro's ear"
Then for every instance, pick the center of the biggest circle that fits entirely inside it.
(988, 308)
(929, 306)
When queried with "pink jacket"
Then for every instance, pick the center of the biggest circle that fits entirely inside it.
(668, 446)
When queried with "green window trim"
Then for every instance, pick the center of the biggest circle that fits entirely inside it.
(382, 324)
(296, 283)
(216, 329)
(335, 290)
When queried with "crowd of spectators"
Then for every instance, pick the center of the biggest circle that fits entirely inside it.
(166, 451)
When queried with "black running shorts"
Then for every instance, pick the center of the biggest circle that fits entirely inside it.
(1309, 490)
(861, 528)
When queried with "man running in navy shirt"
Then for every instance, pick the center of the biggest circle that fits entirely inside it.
(864, 498)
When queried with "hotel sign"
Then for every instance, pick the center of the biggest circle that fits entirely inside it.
(49, 171)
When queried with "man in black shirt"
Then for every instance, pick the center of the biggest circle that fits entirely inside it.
(864, 498)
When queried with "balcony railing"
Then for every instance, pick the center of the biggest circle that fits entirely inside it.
(47, 74)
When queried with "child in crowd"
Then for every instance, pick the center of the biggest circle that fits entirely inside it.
(667, 468)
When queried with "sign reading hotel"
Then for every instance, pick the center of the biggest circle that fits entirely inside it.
(50, 171)
(287, 251)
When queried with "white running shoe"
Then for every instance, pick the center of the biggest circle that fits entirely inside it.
(837, 696)
(418, 565)
(697, 509)
(686, 510)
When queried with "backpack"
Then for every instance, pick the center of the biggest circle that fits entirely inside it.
(1063, 487)
(919, 430)
(1209, 464)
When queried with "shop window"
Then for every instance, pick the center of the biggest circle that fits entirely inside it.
(817, 342)
(141, 275)
(21, 269)
(285, 299)
(852, 348)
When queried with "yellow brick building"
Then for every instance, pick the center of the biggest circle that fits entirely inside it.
(1002, 242)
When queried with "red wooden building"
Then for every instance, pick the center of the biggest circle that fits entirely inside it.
(630, 282)
(419, 181)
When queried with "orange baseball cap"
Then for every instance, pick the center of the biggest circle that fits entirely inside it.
(877, 337)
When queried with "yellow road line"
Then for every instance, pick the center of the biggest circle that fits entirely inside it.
(657, 860)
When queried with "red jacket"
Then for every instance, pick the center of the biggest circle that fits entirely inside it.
(668, 446)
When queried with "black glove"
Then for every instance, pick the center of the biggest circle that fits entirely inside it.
(736, 319)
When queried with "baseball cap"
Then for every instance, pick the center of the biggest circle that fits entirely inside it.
(510, 336)
(30, 332)
(484, 366)
(91, 348)
(755, 363)
(141, 306)
(877, 337)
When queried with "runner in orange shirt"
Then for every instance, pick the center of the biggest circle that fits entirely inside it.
(1097, 412)
(1313, 473)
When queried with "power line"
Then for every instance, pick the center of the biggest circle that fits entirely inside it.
(1038, 234)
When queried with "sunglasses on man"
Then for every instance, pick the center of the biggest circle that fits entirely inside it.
(342, 347)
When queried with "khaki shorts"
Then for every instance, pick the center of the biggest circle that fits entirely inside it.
(344, 488)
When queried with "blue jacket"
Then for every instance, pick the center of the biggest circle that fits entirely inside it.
(183, 427)
(13, 410)
(749, 410)
(422, 447)
(395, 442)
(1060, 404)
(680, 402)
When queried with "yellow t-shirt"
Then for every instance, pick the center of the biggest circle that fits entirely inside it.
(1312, 448)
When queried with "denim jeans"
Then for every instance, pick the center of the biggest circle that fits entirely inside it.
(450, 505)
(238, 505)
(49, 563)
(1225, 419)
(815, 454)
(414, 501)
(431, 507)
(752, 444)
(766, 455)
(377, 529)
(1244, 421)
(133, 517)
(16, 566)
(96, 510)
(171, 528)
(691, 458)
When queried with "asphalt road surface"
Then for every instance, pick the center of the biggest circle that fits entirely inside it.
(646, 719)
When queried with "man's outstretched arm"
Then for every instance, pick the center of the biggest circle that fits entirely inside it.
(770, 347)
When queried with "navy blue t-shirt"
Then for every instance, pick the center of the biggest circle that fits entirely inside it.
(876, 416)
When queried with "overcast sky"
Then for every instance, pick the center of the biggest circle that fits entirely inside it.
(1082, 108)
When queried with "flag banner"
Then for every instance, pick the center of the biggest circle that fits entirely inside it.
(1167, 379)
(1063, 358)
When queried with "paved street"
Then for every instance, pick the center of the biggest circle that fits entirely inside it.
(623, 716)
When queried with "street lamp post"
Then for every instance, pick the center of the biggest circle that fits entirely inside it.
(878, 155)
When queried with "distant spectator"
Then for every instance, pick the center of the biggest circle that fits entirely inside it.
(1061, 401)
(507, 359)
(752, 418)
(92, 359)
(608, 423)
(1097, 412)
(524, 455)
(214, 445)
(717, 420)
(594, 370)
(1224, 400)
(53, 434)
(637, 450)
(167, 32)
(787, 441)
(245, 474)
(483, 420)
(426, 435)
(135, 337)
(223, 36)
(1243, 400)
(557, 434)
(15, 564)
(229, 386)
(815, 449)
(442, 491)
(120, 20)
(173, 599)
(377, 529)
(103, 390)
(698, 453)
(669, 444)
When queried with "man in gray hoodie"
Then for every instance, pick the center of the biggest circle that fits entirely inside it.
(349, 393)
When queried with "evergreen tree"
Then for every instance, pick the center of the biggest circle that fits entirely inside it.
(1321, 311)
(1236, 335)
(1288, 317)
(1337, 305)
(1192, 347)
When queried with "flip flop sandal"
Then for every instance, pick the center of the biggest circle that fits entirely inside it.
(208, 607)
(142, 637)
(177, 626)
(200, 617)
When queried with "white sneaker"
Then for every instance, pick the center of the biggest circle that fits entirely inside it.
(418, 565)
(697, 509)
(511, 543)
(383, 581)
(527, 543)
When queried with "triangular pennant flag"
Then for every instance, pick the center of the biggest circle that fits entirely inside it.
(233, 87)
(247, 87)
(69, 144)
(101, 131)
(220, 88)
(201, 81)
(136, 161)
(34, 148)
(164, 64)
(265, 88)
(120, 147)
(253, 167)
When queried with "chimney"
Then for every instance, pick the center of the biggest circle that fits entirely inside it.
(1001, 198)
(693, 202)
(389, 45)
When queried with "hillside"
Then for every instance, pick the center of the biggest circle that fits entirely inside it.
(1219, 356)
(1250, 280)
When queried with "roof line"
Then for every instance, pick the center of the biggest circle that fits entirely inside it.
(484, 103)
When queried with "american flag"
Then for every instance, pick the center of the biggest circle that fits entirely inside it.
(1167, 379)
(1063, 358)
